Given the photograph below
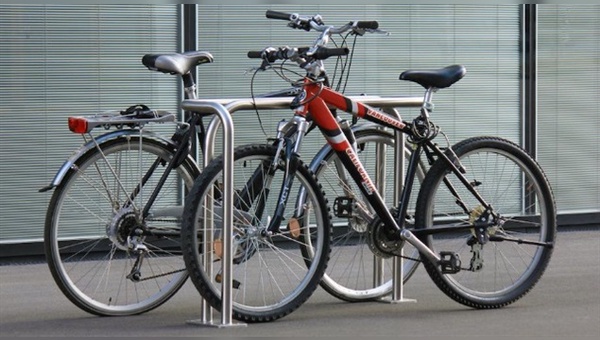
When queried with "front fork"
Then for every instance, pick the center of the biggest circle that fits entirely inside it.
(289, 141)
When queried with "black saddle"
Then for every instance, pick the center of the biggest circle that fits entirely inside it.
(176, 63)
(439, 78)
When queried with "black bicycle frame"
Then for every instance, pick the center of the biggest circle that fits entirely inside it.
(184, 142)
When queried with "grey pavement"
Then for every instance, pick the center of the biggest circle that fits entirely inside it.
(564, 305)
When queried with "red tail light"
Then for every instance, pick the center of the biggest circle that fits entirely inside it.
(78, 124)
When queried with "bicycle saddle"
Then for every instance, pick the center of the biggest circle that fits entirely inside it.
(439, 78)
(176, 63)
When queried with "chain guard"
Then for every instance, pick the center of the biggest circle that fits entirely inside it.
(380, 241)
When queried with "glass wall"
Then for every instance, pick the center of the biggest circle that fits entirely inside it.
(486, 39)
(569, 104)
(60, 61)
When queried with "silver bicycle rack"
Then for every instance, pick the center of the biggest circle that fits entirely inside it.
(223, 108)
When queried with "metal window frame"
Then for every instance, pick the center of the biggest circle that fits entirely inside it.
(529, 80)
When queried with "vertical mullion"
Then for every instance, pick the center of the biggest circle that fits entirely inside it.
(530, 55)
(189, 42)
(189, 28)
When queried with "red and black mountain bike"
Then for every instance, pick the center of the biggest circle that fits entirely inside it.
(484, 222)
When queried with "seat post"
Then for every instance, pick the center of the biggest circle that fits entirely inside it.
(427, 102)
(189, 86)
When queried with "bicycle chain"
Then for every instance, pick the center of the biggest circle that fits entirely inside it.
(161, 275)
(419, 260)
(410, 258)
(162, 220)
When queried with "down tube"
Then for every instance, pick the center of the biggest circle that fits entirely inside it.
(335, 137)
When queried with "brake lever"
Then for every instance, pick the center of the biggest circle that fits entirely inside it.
(301, 26)
(263, 67)
(362, 31)
(378, 31)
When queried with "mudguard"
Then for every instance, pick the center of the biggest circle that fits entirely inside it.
(70, 162)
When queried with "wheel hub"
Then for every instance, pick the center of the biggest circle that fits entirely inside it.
(244, 244)
(121, 228)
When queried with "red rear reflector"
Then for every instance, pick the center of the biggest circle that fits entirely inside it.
(78, 124)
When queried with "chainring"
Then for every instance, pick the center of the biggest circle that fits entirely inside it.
(380, 241)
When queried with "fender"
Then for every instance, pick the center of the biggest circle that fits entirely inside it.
(70, 162)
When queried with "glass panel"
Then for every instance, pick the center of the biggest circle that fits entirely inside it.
(61, 61)
(568, 103)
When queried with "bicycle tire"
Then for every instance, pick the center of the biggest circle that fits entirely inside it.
(354, 273)
(88, 223)
(269, 275)
(499, 272)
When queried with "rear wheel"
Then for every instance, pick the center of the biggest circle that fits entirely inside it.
(502, 258)
(104, 256)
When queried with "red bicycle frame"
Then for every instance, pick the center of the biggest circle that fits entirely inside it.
(317, 100)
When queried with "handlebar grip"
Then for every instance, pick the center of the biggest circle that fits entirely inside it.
(324, 52)
(367, 24)
(278, 15)
(255, 54)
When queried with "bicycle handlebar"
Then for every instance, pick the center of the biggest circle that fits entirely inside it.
(311, 58)
(278, 15)
(283, 53)
(316, 22)
(367, 24)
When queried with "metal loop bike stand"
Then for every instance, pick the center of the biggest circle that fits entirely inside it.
(400, 161)
(224, 108)
(214, 107)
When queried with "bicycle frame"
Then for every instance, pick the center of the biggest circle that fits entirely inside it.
(317, 100)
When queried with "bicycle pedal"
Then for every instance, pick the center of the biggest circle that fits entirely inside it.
(342, 206)
(449, 263)
(234, 283)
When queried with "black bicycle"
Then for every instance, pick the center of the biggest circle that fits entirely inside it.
(112, 233)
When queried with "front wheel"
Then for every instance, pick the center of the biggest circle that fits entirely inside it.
(503, 250)
(274, 270)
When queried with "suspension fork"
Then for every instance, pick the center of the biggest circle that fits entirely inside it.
(298, 126)
(290, 163)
